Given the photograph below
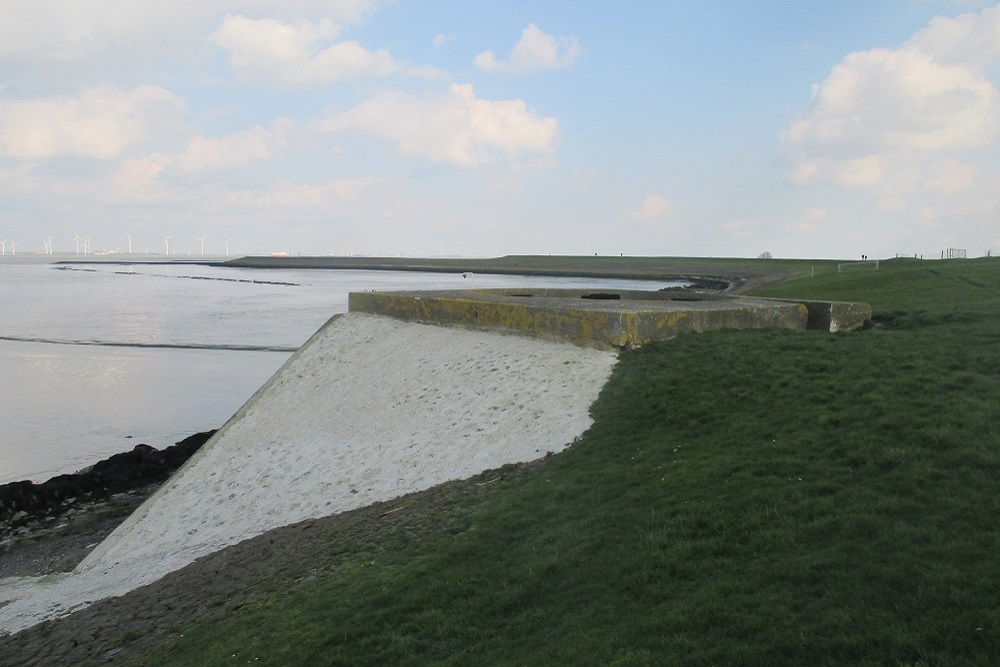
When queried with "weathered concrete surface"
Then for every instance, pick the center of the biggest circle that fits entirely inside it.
(837, 315)
(606, 318)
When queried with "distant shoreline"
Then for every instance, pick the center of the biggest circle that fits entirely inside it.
(723, 275)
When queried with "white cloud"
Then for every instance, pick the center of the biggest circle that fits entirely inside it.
(950, 176)
(884, 100)
(808, 222)
(137, 179)
(863, 172)
(891, 202)
(455, 127)
(237, 149)
(64, 30)
(17, 173)
(285, 194)
(893, 122)
(970, 39)
(505, 186)
(151, 177)
(294, 53)
(534, 51)
(652, 206)
(804, 172)
(740, 228)
(97, 123)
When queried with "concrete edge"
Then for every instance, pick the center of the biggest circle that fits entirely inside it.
(614, 320)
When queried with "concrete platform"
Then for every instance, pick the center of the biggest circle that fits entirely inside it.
(607, 318)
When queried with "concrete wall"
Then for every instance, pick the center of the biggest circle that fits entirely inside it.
(610, 318)
(594, 322)
(837, 315)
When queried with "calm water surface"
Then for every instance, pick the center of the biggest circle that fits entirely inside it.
(95, 359)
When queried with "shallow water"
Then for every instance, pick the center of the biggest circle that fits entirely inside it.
(95, 359)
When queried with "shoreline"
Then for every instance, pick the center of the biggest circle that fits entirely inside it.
(461, 402)
(600, 268)
(51, 526)
(733, 275)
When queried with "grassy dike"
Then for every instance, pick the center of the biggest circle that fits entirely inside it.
(742, 274)
(754, 498)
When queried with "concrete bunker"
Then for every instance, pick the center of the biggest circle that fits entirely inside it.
(608, 318)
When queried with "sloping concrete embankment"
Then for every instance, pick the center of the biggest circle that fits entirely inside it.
(370, 408)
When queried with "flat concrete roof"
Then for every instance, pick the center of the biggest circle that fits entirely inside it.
(607, 318)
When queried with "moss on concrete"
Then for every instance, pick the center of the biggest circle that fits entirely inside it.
(615, 318)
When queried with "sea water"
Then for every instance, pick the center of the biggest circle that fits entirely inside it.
(96, 358)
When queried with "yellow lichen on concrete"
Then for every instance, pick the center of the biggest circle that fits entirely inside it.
(671, 320)
(605, 319)
(633, 329)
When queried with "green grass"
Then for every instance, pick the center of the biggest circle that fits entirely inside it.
(743, 498)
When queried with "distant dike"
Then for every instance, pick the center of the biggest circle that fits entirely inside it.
(711, 297)
(707, 275)
(726, 275)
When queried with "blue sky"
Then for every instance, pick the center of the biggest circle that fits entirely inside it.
(710, 128)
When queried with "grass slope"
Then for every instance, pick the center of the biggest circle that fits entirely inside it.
(757, 498)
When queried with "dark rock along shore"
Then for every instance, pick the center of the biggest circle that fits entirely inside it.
(114, 630)
(51, 526)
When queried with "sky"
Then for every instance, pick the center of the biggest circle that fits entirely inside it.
(725, 128)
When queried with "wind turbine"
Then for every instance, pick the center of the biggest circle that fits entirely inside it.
(227, 247)
(3, 247)
(129, 242)
(86, 245)
(49, 239)
(13, 247)
(202, 239)
(166, 243)
(77, 239)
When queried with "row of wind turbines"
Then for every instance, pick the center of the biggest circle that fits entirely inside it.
(85, 240)
(3, 246)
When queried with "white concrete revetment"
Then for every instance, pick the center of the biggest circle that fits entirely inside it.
(370, 408)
